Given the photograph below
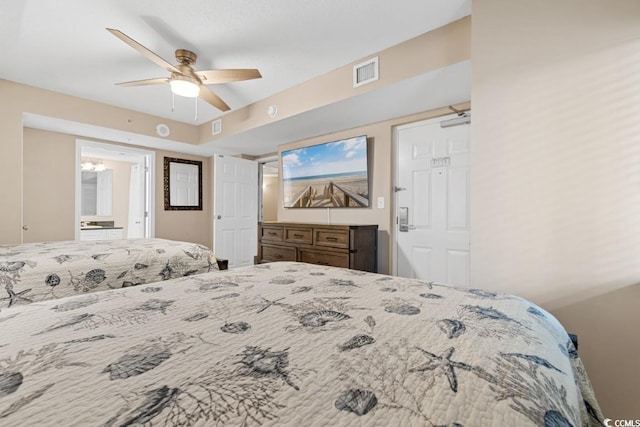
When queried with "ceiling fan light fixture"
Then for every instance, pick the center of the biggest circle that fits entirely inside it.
(183, 86)
(184, 80)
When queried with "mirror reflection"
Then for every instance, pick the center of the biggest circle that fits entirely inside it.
(183, 189)
(97, 193)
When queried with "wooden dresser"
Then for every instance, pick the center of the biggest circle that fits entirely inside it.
(348, 246)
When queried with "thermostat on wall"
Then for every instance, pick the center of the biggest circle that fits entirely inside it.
(163, 130)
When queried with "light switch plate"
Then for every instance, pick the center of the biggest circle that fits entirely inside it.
(381, 202)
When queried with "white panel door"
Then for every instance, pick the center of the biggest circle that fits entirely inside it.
(235, 210)
(137, 202)
(433, 192)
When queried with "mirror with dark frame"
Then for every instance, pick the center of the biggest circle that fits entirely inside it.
(182, 184)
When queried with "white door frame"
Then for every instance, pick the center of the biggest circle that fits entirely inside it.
(394, 195)
(111, 152)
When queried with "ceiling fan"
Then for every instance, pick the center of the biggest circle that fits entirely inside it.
(184, 80)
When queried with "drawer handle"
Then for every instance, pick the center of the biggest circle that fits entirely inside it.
(272, 233)
(299, 236)
(331, 239)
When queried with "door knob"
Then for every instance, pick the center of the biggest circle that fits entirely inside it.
(219, 217)
(25, 227)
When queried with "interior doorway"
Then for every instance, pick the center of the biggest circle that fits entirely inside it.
(431, 234)
(130, 194)
(268, 183)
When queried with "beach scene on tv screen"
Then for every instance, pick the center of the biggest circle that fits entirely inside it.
(333, 174)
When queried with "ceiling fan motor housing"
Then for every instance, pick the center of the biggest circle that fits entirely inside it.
(186, 57)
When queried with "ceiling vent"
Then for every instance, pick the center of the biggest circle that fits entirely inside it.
(365, 72)
(216, 127)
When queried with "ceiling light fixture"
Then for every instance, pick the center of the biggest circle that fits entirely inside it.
(184, 86)
(90, 166)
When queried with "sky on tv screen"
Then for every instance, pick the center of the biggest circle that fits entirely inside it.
(332, 158)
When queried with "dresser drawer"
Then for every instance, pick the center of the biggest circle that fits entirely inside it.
(332, 238)
(324, 258)
(278, 253)
(272, 233)
(298, 235)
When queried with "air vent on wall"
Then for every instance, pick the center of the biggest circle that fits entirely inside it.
(216, 127)
(365, 72)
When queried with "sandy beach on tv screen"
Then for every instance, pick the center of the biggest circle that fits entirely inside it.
(316, 192)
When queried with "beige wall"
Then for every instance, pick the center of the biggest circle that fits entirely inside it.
(555, 193)
(380, 136)
(609, 346)
(50, 158)
(49, 186)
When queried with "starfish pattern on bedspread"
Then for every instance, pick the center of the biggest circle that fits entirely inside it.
(445, 363)
(269, 303)
(16, 296)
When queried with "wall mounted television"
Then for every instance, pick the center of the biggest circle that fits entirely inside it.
(329, 175)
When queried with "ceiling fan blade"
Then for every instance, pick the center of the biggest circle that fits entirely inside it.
(225, 76)
(143, 50)
(145, 82)
(213, 99)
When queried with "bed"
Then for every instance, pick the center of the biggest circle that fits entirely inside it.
(290, 344)
(41, 271)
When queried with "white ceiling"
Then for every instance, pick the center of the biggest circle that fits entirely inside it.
(63, 46)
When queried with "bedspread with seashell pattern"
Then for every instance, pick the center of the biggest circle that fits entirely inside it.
(290, 344)
(42, 271)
